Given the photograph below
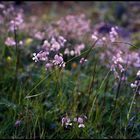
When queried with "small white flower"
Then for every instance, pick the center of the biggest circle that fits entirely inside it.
(133, 85)
(35, 58)
(83, 60)
(2, 6)
(81, 125)
(94, 37)
(20, 42)
(72, 53)
(138, 73)
(75, 119)
(10, 41)
(104, 38)
(66, 51)
(67, 123)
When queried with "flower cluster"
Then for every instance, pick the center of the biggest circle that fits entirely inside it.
(115, 52)
(96, 36)
(13, 17)
(41, 56)
(44, 56)
(39, 35)
(83, 60)
(11, 42)
(18, 123)
(68, 122)
(117, 62)
(75, 51)
(136, 85)
(113, 34)
(50, 53)
(2, 6)
(55, 44)
(80, 121)
(16, 22)
(58, 60)
(71, 26)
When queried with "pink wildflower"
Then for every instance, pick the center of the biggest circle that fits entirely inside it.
(10, 41)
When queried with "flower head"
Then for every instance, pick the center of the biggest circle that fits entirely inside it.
(83, 60)
(81, 125)
(66, 121)
(138, 73)
(80, 120)
(18, 123)
(58, 60)
(113, 34)
(10, 41)
(16, 23)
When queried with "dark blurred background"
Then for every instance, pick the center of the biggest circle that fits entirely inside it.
(124, 14)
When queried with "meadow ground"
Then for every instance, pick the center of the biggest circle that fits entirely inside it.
(70, 70)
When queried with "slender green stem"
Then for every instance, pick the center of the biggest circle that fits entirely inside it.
(17, 59)
(124, 43)
(85, 52)
(118, 89)
(130, 108)
(128, 114)
(57, 83)
(37, 85)
(92, 80)
(104, 79)
(97, 94)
